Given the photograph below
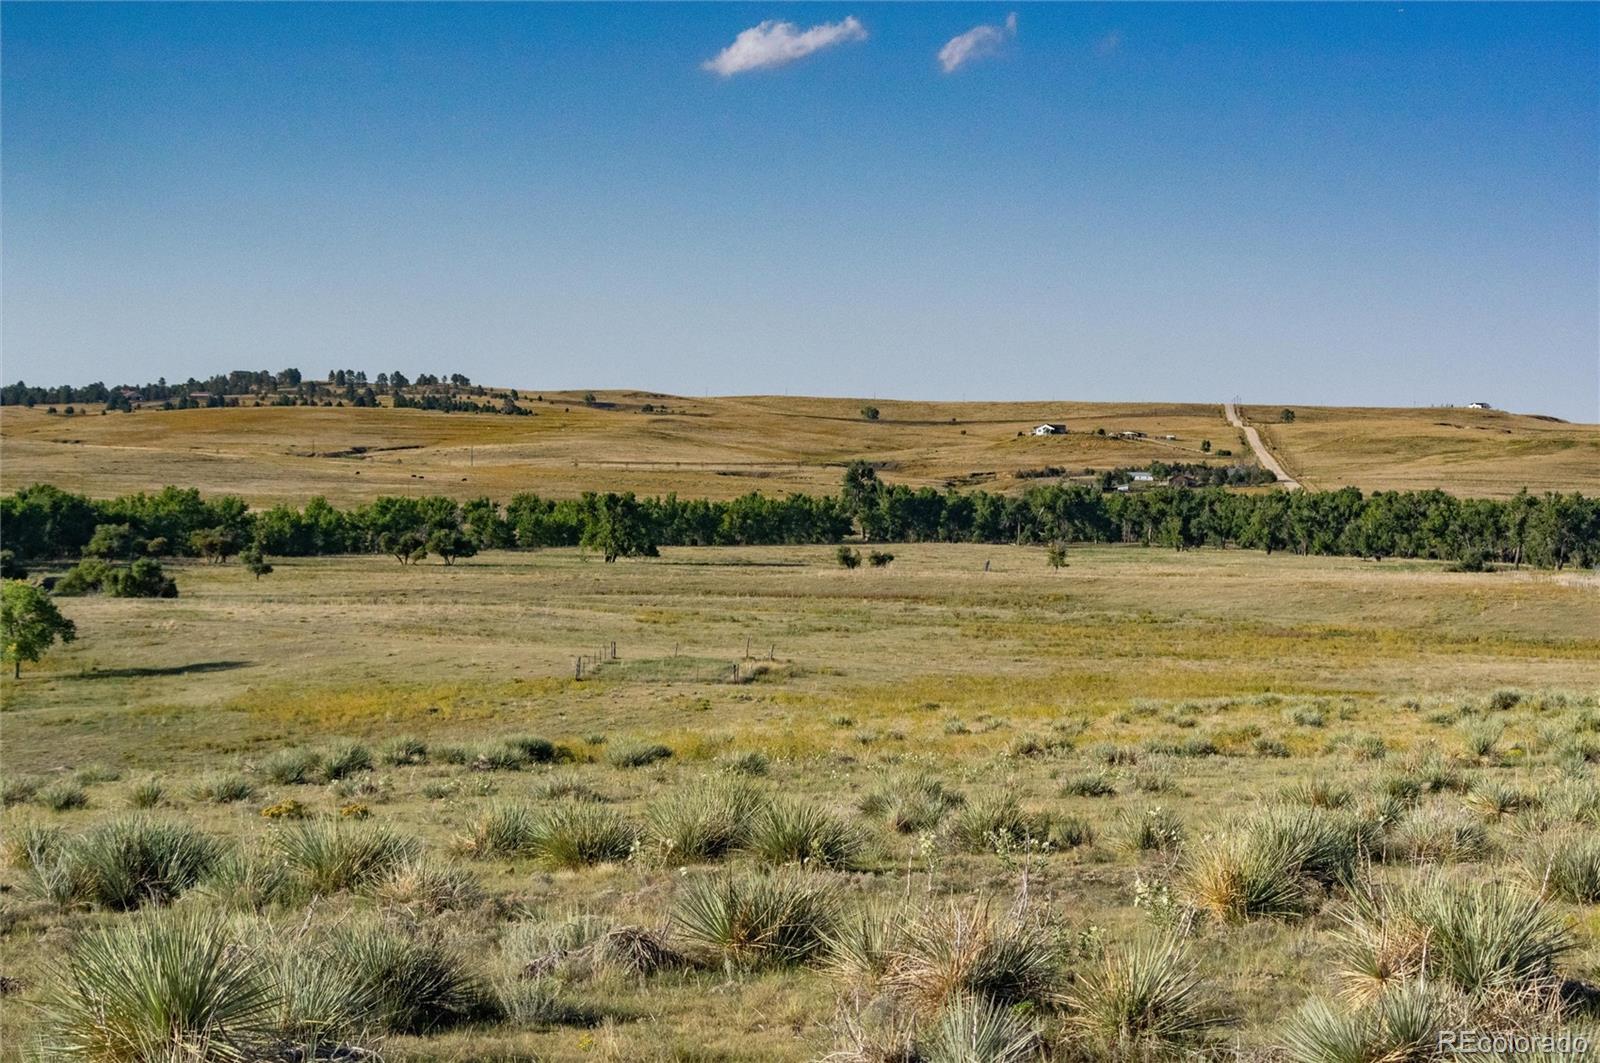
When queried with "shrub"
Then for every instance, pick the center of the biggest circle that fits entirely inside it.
(160, 988)
(956, 950)
(291, 767)
(847, 558)
(1069, 832)
(1140, 1000)
(17, 791)
(636, 754)
(405, 982)
(880, 559)
(224, 789)
(793, 831)
(290, 809)
(704, 824)
(533, 750)
(975, 1030)
(758, 920)
(503, 757)
(1271, 747)
(63, 795)
(344, 759)
(330, 856)
(575, 835)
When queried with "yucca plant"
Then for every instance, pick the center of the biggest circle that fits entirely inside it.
(862, 947)
(403, 751)
(565, 786)
(575, 835)
(1482, 740)
(1566, 865)
(147, 793)
(249, 880)
(1089, 784)
(1403, 1024)
(959, 949)
(18, 790)
(636, 754)
(977, 1030)
(502, 829)
(333, 855)
(779, 918)
(978, 826)
(1318, 793)
(794, 831)
(129, 862)
(405, 982)
(1150, 830)
(164, 987)
(1436, 832)
(291, 767)
(911, 803)
(1140, 1000)
(63, 795)
(1479, 938)
(344, 759)
(224, 788)
(428, 887)
(534, 750)
(704, 824)
(1496, 800)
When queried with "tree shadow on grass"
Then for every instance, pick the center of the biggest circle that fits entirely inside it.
(198, 668)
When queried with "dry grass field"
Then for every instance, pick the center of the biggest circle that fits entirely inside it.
(1131, 689)
(722, 447)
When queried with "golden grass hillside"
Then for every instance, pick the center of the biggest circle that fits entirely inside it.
(722, 447)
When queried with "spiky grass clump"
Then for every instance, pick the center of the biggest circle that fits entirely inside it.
(862, 947)
(1089, 784)
(580, 947)
(1276, 866)
(976, 1030)
(164, 987)
(780, 918)
(956, 950)
(565, 786)
(147, 793)
(1318, 793)
(1150, 830)
(344, 759)
(224, 789)
(1482, 740)
(636, 754)
(988, 822)
(1141, 1001)
(912, 803)
(704, 824)
(576, 835)
(1403, 1024)
(329, 856)
(292, 767)
(126, 863)
(406, 982)
(1436, 832)
(428, 887)
(1567, 865)
(1496, 800)
(534, 750)
(63, 795)
(18, 790)
(249, 880)
(1482, 938)
(502, 829)
(403, 751)
(794, 831)
(751, 763)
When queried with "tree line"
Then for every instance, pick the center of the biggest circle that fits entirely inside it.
(1553, 530)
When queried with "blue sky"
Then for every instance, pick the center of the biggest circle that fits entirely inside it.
(1368, 204)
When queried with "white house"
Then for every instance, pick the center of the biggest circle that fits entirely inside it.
(1050, 430)
(1142, 477)
(1479, 406)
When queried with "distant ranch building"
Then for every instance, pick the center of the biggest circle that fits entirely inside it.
(1479, 406)
(1050, 430)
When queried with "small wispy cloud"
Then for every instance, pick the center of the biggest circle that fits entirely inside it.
(774, 43)
(977, 43)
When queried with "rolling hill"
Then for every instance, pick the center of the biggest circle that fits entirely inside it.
(726, 446)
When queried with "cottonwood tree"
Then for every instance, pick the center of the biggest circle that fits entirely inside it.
(29, 623)
(451, 543)
(256, 561)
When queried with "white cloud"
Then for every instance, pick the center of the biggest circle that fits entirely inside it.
(976, 43)
(774, 43)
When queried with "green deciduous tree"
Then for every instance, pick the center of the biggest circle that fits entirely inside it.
(29, 623)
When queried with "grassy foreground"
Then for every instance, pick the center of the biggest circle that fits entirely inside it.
(962, 763)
